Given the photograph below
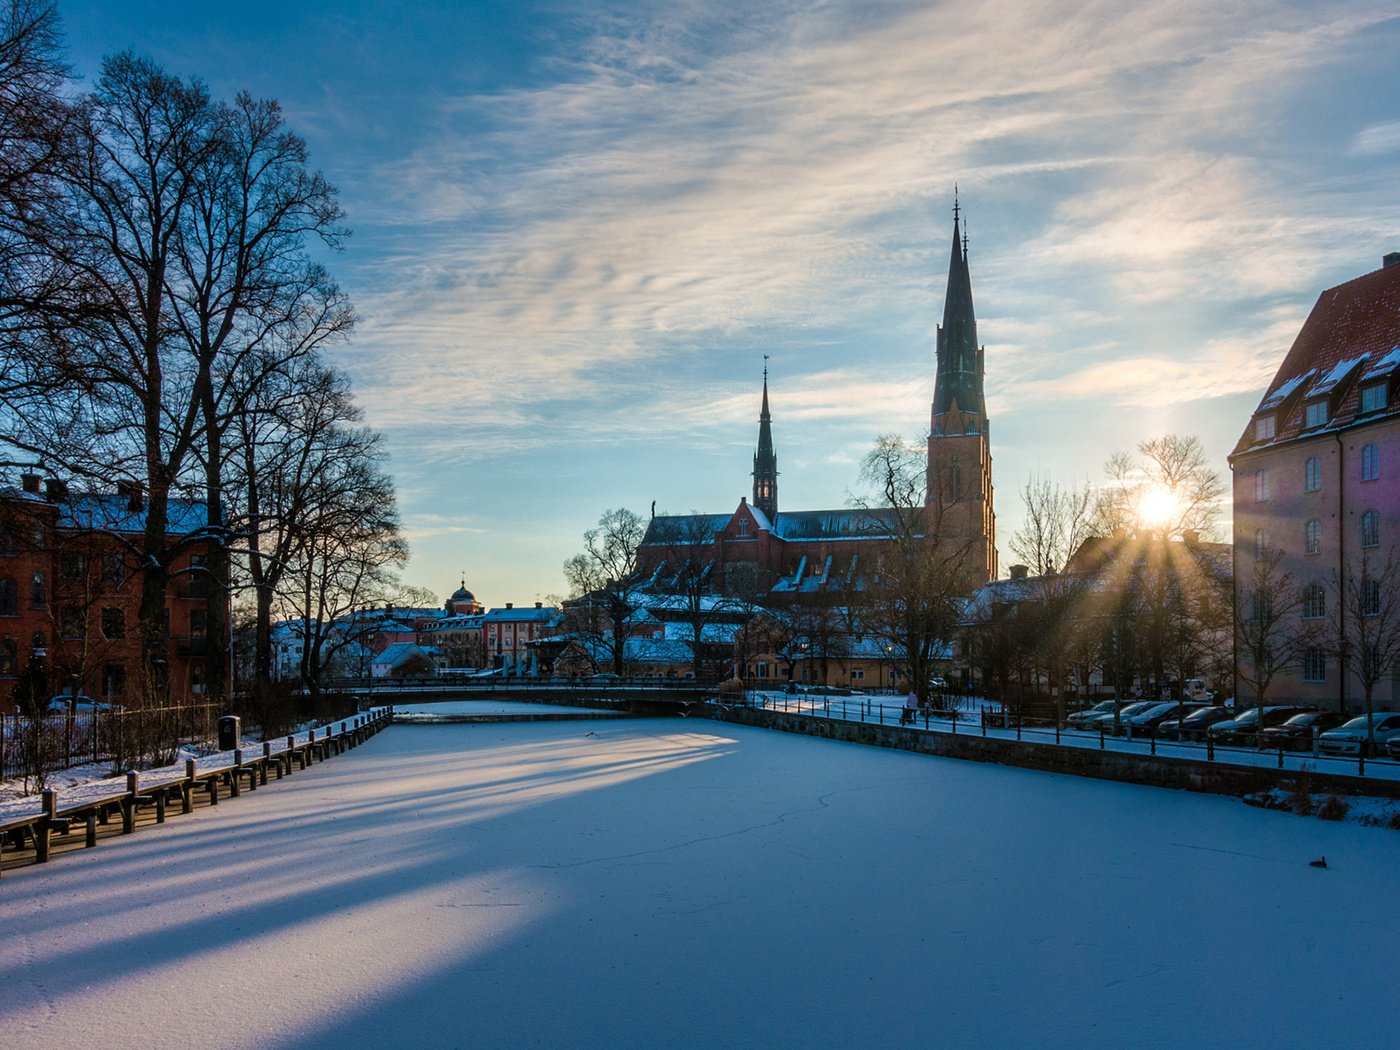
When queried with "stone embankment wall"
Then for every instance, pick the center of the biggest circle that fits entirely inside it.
(1218, 778)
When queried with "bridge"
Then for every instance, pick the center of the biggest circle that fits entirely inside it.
(632, 694)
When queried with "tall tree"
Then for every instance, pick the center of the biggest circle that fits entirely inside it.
(603, 579)
(913, 601)
(246, 299)
(1269, 634)
(1365, 625)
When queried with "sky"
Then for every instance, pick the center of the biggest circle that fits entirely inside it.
(579, 226)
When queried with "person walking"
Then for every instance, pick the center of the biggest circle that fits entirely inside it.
(911, 705)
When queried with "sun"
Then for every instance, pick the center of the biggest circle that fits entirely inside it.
(1157, 506)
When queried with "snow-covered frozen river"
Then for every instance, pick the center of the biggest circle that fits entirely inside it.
(679, 883)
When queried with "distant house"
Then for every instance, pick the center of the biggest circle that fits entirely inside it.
(509, 633)
(402, 659)
(1317, 477)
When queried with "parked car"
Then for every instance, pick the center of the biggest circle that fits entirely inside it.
(1296, 734)
(1109, 719)
(78, 705)
(1242, 730)
(1080, 719)
(1138, 722)
(1351, 738)
(1154, 721)
(1195, 724)
(1392, 746)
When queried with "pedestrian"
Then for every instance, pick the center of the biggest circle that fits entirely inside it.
(911, 705)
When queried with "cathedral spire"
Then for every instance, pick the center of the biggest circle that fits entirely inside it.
(765, 460)
(959, 376)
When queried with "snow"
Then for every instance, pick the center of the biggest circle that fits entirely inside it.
(680, 883)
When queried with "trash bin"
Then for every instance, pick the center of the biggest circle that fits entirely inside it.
(229, 732)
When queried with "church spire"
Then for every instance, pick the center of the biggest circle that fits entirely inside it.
(959, 377)
(765, 460)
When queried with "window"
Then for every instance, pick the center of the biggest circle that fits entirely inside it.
(1261, 486)
(198, 586)
(1312, 537)
(38, 538)
(1312, 475)
(1373, 397)
(70, 622)
(760, 669)
(113, 566)
(9, 657)
(38, 593)
(1370, 597)
(1261, 544)
(743, 526)
(954, 480)
(1261, 608)
(199, 623)
(1314, 602)
(8, 545)
(113, 680)
(1315, 414)
(1370, 463)
(857, 675)
(9, 600)
(72, 565)
(1371, 529)
(1314, 665)
(113, 623)
(1264, 428)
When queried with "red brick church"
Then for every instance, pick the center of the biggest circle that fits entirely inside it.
(762, 550)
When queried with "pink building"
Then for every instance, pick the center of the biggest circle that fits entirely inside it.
(1317, 477)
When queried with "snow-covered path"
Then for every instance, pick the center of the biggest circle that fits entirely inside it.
(676, 883)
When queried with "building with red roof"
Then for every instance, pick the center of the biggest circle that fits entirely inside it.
(1317, 480)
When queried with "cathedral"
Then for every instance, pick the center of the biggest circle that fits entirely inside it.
(781, 556)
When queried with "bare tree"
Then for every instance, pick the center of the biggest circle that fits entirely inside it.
(691, 579)
(1170, 488)
(913, 600)
(246, 300)
(1270, 636)
(1365, 625)
(603, 578)
(1056, 521)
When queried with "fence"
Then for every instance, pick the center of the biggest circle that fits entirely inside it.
(73, 818)
(123, 736)
(967, 715)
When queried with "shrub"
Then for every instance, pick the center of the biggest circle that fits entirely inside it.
(1300, 801)
(1394, 822)
(1333, 808)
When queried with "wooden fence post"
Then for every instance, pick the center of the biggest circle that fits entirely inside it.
(43, 831)
(133, 784)
(233, 786)
(187, 788)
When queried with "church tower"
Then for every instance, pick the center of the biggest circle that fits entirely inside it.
(959, 496)
(765, 462)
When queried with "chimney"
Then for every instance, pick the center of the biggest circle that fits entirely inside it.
(55, 491)
(29, 483)
(1020, 572)
(1390, 259)
(539, 605)
(510, 605)
(132, 493)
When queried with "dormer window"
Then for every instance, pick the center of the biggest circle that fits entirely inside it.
(1264, 428)
(1373, 397)
(1315, 415)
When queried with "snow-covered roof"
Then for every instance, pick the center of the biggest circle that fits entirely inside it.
(526, 615)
